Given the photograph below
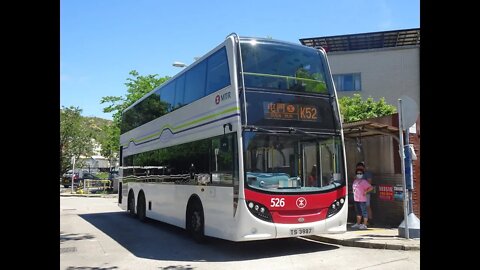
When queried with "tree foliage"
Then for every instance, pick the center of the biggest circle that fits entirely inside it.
(100, 131)
(356, 109)
(75, 136)
(137, 87)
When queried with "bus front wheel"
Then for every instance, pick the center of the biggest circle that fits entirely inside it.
(196, 223)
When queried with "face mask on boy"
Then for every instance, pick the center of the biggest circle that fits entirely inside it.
(359, 176)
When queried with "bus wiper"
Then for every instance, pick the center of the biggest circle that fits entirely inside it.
(254, 128)
(296, 130)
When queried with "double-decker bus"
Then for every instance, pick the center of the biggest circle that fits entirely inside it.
(244, 144)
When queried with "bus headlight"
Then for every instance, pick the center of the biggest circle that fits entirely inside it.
(335, 207)
(259, 210)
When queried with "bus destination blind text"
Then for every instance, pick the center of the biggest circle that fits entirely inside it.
(288, 111)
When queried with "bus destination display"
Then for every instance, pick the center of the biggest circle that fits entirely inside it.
(290, 111)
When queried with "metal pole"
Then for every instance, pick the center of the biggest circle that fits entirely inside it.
(402, 159)
(73, 171)
(216, 162)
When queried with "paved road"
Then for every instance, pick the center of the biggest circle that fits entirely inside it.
(96, 234)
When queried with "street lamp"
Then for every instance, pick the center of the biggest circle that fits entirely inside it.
(179, 64)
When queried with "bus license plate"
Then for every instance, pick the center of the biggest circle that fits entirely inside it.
(301, 231)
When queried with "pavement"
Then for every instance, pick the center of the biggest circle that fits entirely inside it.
(97, 195)
(379, 237)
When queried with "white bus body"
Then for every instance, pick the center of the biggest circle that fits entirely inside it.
(225, 207)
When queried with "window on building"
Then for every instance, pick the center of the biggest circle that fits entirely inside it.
(347, 82)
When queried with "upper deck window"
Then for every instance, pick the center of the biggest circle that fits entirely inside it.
(218, 74)
(205, 77)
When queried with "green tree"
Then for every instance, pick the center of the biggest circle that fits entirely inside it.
(75, 137)
(356, 109)
(110, 141)
(137, 87)
(97, 126)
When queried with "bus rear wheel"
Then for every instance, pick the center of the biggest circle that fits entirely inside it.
(141, 207)
(131, 203)
(196, 223)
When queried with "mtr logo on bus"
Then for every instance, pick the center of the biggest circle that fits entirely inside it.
(222, 97)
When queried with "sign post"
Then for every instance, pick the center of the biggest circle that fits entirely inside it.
(407, 116)
(402, 160)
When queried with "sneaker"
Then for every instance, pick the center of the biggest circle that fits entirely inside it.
(354, 226)
(362, 227)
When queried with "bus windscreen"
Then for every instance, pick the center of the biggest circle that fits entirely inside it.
(280, 66)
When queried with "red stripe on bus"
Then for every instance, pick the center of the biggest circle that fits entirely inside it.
(288, 209)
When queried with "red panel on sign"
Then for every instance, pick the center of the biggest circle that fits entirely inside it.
(385, 192)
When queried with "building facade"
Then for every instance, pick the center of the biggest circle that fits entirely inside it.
(378, 65)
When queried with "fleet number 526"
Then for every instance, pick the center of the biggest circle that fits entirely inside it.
(277, 202)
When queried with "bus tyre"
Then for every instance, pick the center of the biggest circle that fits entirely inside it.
(131, 203)
(141, 207)
(196, 223)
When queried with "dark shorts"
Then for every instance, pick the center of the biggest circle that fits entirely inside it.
(361, 209)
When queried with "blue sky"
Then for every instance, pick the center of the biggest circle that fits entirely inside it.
(101, 41)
